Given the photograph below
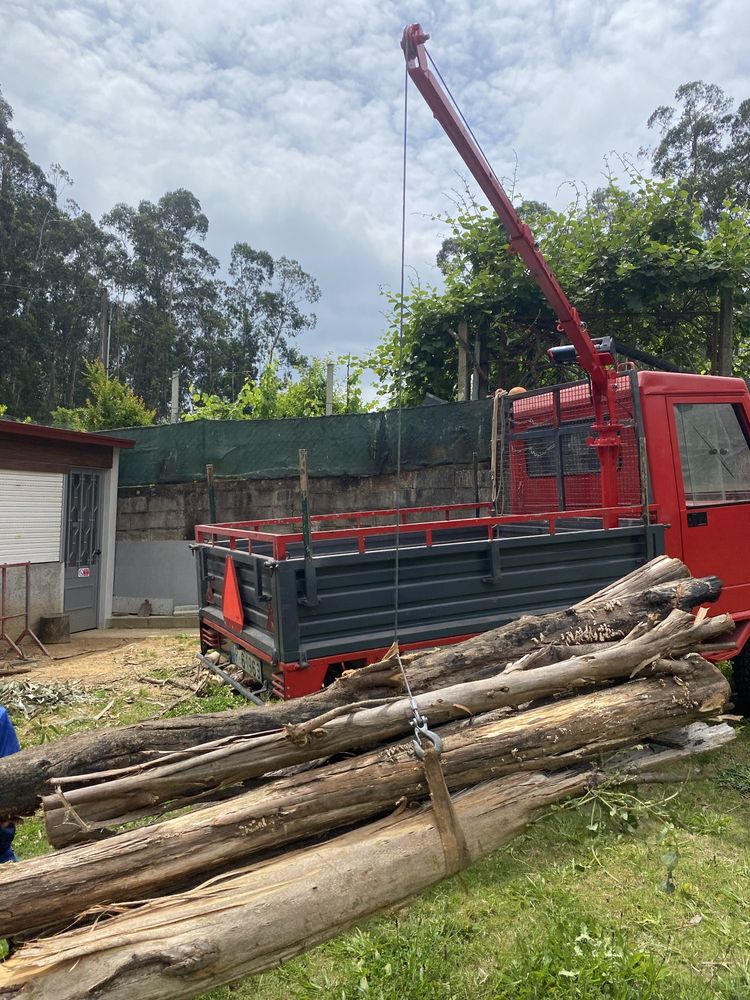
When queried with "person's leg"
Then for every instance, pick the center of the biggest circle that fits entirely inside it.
(7, 833)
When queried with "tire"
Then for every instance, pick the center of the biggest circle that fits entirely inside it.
(741, 681)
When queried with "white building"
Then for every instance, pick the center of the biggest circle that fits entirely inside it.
(58, 506)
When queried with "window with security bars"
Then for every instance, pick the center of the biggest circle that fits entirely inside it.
(545, 462)
(714, 453)
(82, 536)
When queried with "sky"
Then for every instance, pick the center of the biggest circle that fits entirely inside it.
(285, 117)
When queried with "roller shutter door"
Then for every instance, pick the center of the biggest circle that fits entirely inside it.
(31, 506)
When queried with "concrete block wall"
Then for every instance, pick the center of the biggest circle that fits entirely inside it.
(46, 596)
(171, 511)
(155, 524)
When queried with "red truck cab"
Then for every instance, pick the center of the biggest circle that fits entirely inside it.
(697, 431)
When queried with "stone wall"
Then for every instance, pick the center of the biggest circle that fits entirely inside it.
(155, 524)
(171, 511)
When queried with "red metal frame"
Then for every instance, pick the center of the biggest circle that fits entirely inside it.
(599, 366)
(292, 680)
(5, 616)
(247, 531)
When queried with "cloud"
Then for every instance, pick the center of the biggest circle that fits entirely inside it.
(285, 117)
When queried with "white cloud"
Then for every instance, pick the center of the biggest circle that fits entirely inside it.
(284, 117)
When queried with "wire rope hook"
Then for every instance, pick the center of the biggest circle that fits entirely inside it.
(423, 732)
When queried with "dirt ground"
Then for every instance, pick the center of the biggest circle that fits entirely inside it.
(95, 659)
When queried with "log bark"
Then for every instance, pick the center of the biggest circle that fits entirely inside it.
(660, 570)
(239, 925)
(25, 775)
(151, 859)
(83, 805)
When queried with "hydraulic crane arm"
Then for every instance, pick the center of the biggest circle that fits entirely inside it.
(520, 235)
(599, 366)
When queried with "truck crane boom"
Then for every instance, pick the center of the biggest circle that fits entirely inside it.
(520, 236)
(599, 365)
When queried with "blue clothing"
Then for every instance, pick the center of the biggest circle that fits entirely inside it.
(8, 739)
(8, 744)
(7, 833)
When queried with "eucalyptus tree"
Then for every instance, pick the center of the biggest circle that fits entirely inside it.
(163, 274)
(705, 143)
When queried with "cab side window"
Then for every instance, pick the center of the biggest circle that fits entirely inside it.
(714, 453)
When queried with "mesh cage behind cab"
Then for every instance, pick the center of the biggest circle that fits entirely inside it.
(544, 460)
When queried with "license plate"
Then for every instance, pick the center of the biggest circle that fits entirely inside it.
(250, 664)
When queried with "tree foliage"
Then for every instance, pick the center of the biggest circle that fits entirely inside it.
(169, 308)
(636, 261)
(274, 395)
(109, 404)
(706, 144)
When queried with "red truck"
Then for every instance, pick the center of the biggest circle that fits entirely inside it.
(591, 479)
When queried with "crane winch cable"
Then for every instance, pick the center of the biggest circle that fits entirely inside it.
(419, 722)
(460, 114)
(455, 849)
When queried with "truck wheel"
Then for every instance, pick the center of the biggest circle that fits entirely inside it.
(741, 681)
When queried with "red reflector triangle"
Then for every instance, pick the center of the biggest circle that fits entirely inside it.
(231, 605)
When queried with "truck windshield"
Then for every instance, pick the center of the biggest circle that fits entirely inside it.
(714, 453)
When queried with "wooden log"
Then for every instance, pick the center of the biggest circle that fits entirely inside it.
(661, 570)
(482, 655)
(83, 805)
(23, 776)
(243, 924)
(151, 859)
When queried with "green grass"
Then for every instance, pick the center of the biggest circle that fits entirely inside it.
(577, 907)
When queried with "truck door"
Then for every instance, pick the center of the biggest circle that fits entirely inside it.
(711, 443)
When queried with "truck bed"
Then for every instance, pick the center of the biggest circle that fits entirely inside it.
(458, 576)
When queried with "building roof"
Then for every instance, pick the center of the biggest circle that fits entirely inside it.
(52, 434)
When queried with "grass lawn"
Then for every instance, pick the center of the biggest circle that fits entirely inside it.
(580, 906)
(577, 907)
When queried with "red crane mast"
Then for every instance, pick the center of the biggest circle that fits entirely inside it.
(598, 365)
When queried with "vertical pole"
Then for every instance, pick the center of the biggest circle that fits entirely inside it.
(475, 369)
(464, 374)
(494, 442)
(211, 493)
(103, 329)
(329, 389)
(311, 584)
(713, 343)
(726, 336)
(174, 412)
(483, 370)
(475, 468)
(111, 312)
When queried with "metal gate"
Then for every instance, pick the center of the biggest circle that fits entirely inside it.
(83, 548)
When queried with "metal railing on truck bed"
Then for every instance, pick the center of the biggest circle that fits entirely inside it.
(306, 611)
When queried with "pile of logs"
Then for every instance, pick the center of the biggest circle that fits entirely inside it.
(309, 816)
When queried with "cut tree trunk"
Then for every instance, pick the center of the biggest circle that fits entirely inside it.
(243, 924)
(184, 849)
(83, 805)
(26, 775)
